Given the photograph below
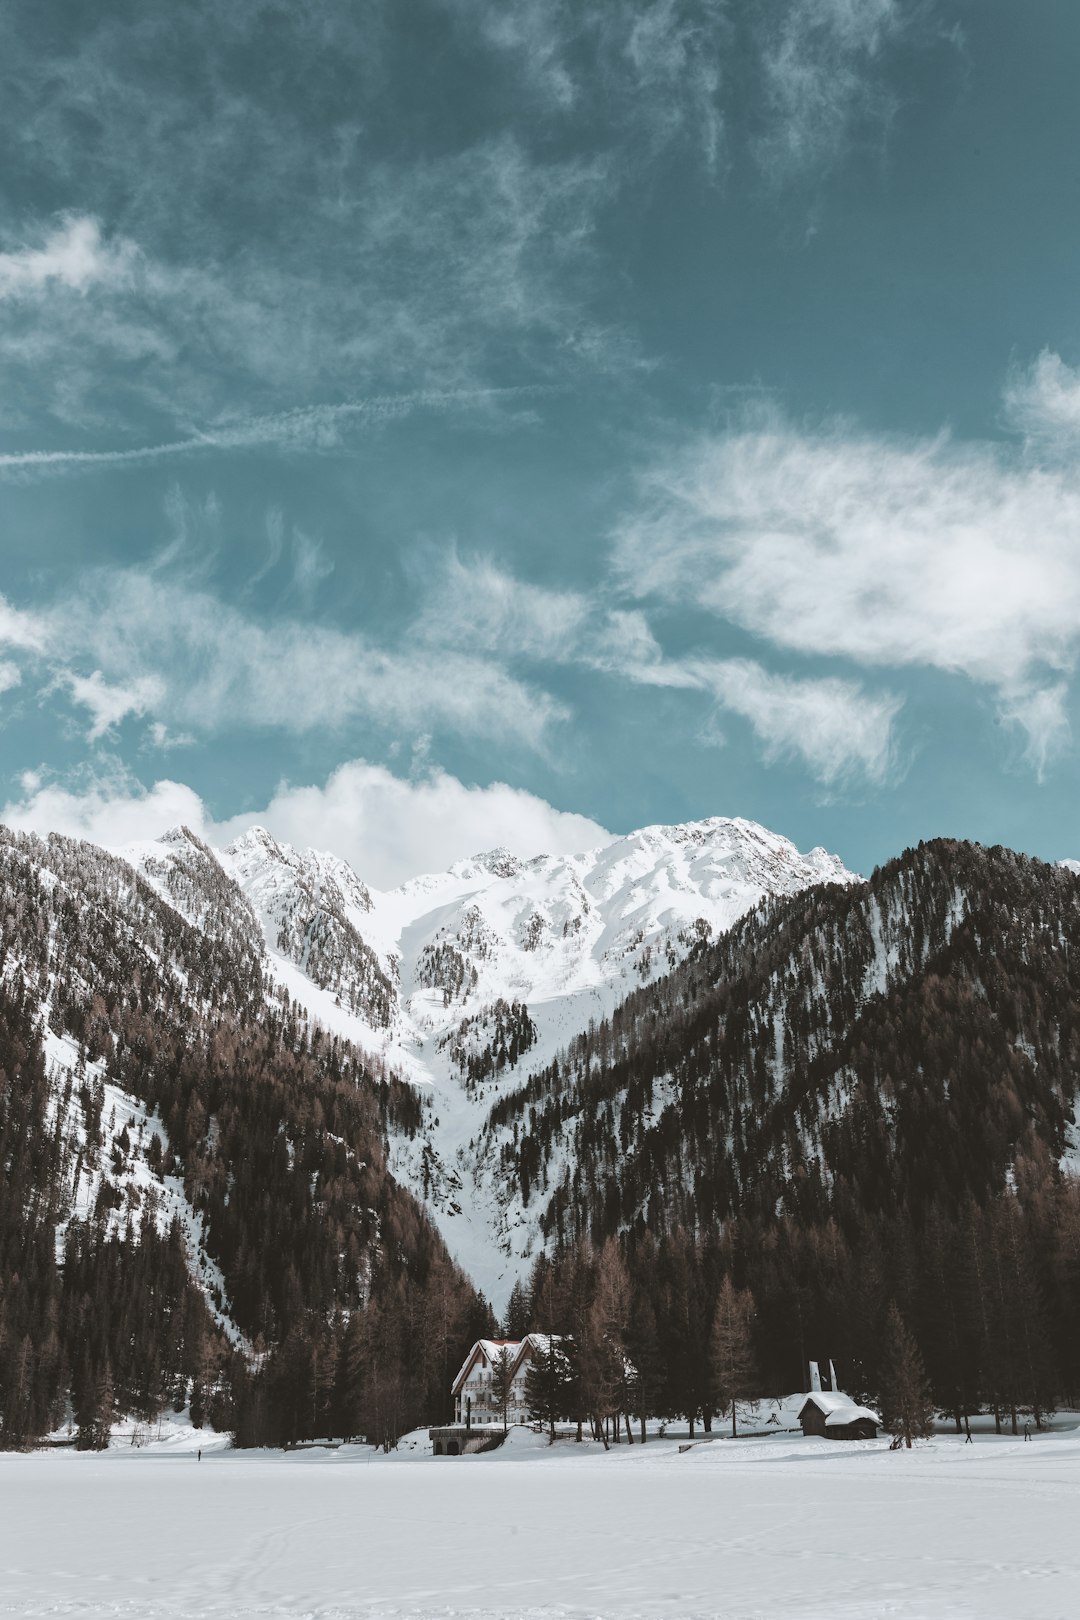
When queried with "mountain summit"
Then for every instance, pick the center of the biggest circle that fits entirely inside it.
(457, 980)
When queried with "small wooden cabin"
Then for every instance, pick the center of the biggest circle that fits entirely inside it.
(834, 1416)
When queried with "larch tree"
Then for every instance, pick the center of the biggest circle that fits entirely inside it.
(733, 1367)
(906, 1407)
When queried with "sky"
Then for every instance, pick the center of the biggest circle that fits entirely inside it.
(426, 427)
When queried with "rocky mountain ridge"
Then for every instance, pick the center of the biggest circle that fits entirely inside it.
(466, 980)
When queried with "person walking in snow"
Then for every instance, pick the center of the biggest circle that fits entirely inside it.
(200, 1453)
(1027, 1431)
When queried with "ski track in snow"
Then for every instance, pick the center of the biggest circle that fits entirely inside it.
(768, 1529)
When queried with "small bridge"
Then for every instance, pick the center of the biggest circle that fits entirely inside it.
(457, 1440)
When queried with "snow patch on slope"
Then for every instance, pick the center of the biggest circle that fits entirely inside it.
(465, 981)
(114, 1160)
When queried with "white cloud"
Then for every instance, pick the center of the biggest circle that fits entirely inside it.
(196, 664)
(75, 255)
(1041, 713)
(1043, 401)
(109, 704)
(159, 736)
(820, 61)
(10, 675)
(427, 272)
(888, 553)
(839, 731)
(21, 630)
(310, 429)
(311, 565)
(112, 810)
(647, 71)
(646, 76)
(474, 601)
(389, 828)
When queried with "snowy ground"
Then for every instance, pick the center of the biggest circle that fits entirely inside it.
(773, 1529)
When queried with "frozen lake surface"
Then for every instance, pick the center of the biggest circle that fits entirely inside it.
(769, 1528)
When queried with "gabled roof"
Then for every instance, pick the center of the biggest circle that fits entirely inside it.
(839, 1409)
(488, 1349)
(520, 1349)
(538, 1344)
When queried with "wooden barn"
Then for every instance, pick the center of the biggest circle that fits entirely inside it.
(834, 1416)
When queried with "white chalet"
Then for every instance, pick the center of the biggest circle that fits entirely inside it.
(476, 1400)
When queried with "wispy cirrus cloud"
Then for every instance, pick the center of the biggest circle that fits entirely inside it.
(108, 704)
(308, 429)
(282, 245)
(889, 553)
(823, 77)
(839, 731)
(177, 654)
(842, 733)
(644, 75)
(73, 254)
(791, 83)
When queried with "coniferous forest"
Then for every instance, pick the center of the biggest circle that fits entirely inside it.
(858, 1101)
(843, 1131)
(346, 1314)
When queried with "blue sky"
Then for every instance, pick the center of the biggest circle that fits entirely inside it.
(431, 426)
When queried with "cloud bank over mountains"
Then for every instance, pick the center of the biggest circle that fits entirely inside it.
(389, 828)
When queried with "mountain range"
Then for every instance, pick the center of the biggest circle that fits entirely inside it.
(465, 981)
(321, 1114)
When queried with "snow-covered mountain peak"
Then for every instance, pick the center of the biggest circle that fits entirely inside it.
(257, 858)
(498, 863)
(254, 844)
(467, 980)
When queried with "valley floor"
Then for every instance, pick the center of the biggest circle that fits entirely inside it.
(772, 1529)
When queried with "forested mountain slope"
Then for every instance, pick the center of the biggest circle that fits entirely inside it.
(458, 981)
(878, 1045)
(221, 1073)
(861, 1098)
(184, 1149)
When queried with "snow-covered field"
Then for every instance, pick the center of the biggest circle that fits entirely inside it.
(782, 1527)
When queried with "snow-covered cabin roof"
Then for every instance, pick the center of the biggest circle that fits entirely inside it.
(838, 1408)
(489, 1349)
(541, 1344)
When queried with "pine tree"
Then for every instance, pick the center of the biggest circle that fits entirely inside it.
(733, 1368)
(96, 1425)
(906, 1408)
(516, 1324)
(545, 1394)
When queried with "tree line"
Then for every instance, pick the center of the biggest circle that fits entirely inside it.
(982, 1302)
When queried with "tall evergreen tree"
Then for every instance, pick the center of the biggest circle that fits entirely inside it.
(545, 1383)
(733, 1369)
(906, 1406)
